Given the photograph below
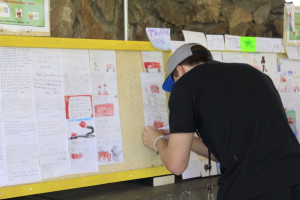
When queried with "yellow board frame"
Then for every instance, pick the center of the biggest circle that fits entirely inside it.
(51, 186)
(71, 183)
(71, 43)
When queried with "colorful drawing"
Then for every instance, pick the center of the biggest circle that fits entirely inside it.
(105, 92)
(291, 116)
(19, 13)
(76, 156)
(152, 66)
(99, 90)
(285, 84)
(104, 110)
(255, 64)
(154, 89)
(89, 134)
(78, 106)
(158, 124)
(104, 88)
(104, 156)
(110, 67)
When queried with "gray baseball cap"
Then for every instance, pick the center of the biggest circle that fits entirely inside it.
(178, 56)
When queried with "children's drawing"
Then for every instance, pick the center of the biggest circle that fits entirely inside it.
(102, 89)
(83, 155)
(78, 106)
(291, 116)
(112, 156)
(154, 88)
(99, 90)
(105, 92)
(110, 67)
(152, 61)
(285, 83)
(104, 156)
(154, 99)
(81, 128)
(116, 153)
(263, 63)
(152, 66)
(255, 64)
(103, 61)
(90, 131)
(19, 13)
(104, 110)
(158, 124)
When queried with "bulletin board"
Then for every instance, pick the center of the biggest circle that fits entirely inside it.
(139, 161)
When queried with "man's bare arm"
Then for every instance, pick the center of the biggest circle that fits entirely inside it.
(174, 152)
(200, 148)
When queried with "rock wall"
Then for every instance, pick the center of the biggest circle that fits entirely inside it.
(104, 19)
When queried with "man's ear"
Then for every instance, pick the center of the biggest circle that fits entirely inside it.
(180, 69)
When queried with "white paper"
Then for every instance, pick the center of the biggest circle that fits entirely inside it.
(218, 56)
(77, 78)
(3, 167)
(21, 150)
(160, 38)
(176, 44)
(154, 99)
(215, 42)
(287, 82)
(232, 43)
(152, 61)
(265, 62)
(106, 106)
(274, 45)
(19, 124)
(82, 145)
(293, 52)
(195, 37)
(236, 57)
(193, 170)
(292, 107)
(50, 110)
(16, 83)
(79, 106)
(288, 78)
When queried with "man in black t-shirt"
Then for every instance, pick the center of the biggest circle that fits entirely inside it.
(240, 119)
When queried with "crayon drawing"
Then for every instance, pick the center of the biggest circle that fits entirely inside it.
(78, 106)
(104, 110)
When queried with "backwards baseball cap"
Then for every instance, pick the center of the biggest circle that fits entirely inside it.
(178, 56)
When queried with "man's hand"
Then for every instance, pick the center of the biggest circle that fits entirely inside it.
(149, 136)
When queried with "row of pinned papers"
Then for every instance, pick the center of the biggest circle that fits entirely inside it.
(161, 39)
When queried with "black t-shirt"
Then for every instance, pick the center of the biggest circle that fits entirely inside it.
(241, 119)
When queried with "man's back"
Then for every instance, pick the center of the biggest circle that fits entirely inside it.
(240, 117)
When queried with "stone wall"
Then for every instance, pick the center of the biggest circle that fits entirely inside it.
(104, 19)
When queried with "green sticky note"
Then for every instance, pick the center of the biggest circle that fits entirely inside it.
(248, 44)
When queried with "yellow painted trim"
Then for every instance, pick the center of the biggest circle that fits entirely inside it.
(51, 186)
(72, 43)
